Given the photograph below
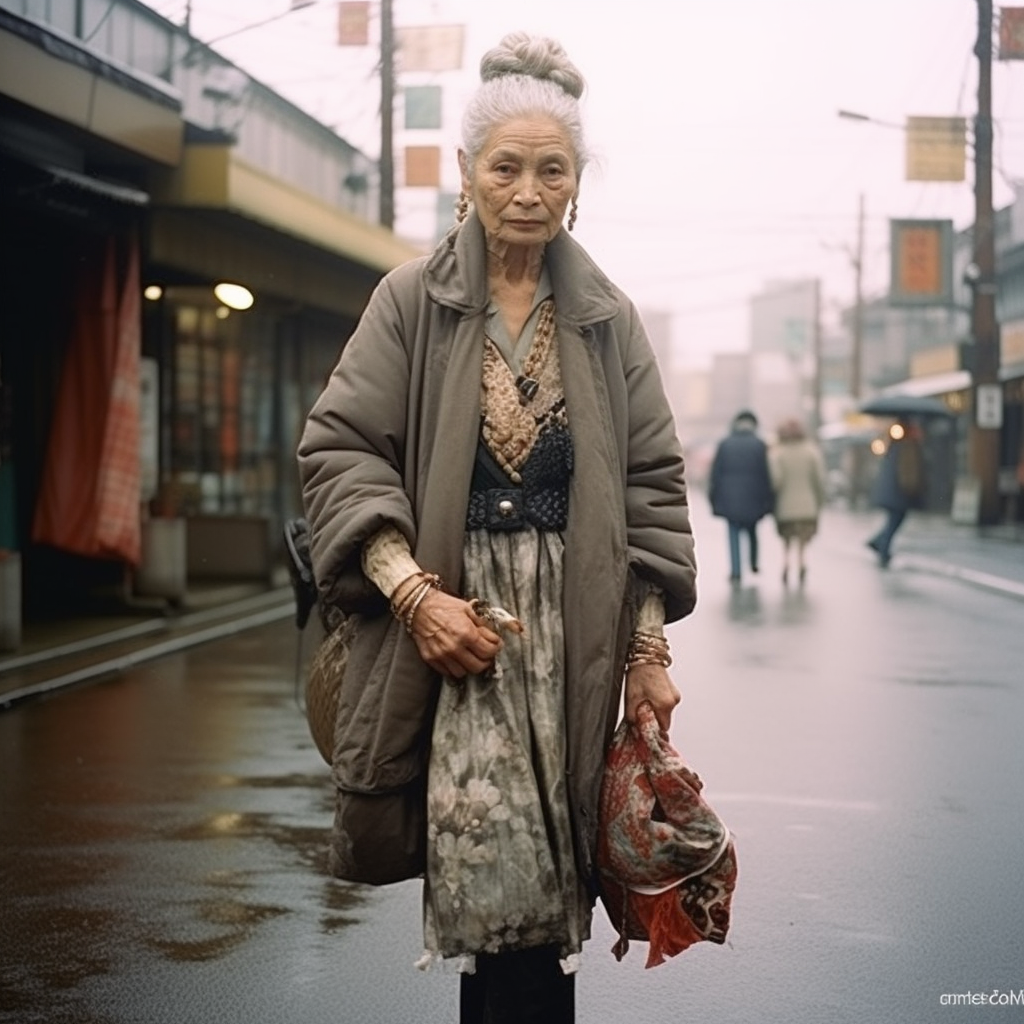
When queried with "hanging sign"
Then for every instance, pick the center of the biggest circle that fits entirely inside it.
(1011, 33)
(429, 48)
(423, 166)
(422, 106)
(936, 148)
(354, 23)
(922, 262)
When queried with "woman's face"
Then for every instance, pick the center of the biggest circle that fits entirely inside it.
(522, 181)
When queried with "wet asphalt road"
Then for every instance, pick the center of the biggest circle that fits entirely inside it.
(163, 833)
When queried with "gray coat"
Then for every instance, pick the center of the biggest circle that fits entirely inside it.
(392, 439)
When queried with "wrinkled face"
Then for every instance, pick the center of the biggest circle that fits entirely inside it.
(522, 181)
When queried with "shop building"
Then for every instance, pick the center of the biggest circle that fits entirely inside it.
(147, 428)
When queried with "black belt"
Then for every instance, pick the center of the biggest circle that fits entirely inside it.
(495, 503)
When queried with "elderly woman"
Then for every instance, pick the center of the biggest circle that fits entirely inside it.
(496, 433)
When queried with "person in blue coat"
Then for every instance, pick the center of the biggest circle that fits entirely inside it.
(899, 485)
(740, 487)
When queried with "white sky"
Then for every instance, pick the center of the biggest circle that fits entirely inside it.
(722, 161)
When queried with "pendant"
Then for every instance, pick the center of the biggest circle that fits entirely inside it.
(527, 388)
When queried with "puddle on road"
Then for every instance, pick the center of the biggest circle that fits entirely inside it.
(239, 918)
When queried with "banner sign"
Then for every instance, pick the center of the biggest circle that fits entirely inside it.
(936, 148)
(423, 166)
(1011, 33)
(922, 262)
(354, 23)
(422, 106)
(429, 48)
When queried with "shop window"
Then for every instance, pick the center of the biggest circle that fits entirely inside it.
(223, 448)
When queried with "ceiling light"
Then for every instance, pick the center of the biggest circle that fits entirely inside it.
(234, 296)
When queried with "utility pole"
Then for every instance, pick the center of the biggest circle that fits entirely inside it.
(857, 453)
(816, 346)
(387, 114)
(987, 413)
(857, 355)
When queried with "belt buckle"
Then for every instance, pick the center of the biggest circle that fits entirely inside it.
(504, 509)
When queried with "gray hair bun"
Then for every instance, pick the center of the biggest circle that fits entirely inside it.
(536, 56)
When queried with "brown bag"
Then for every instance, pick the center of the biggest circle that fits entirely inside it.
(324, 682)
(378, 837)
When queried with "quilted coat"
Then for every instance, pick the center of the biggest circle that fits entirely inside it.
(392, 439)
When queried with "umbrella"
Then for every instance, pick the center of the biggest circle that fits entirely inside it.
(905, 405)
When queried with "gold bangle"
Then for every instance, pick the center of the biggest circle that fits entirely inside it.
(648, 649)
(403, 596)
(430, 582)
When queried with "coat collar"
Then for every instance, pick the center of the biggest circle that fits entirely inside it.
(456, 276)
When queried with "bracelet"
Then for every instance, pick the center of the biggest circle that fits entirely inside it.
(402, 597)
(401, 594)
(404, 607)
(648, 649)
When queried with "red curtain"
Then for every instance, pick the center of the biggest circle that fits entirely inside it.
(89, 499)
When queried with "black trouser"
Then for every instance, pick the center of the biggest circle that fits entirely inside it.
(523, 987)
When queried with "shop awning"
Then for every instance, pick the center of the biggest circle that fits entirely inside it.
(214, 177)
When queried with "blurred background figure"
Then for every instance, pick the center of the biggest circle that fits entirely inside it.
(740, 487)
(798, 478)
(899, 485)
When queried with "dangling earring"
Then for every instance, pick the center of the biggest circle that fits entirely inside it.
(461, 208)
(573, 211)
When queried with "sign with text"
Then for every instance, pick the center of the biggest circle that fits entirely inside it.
(922, 262)
(354, 23)
(936, 148)
(1011, 33)
(988, 406)
(422, 106)
(429, 48)
(423, 166)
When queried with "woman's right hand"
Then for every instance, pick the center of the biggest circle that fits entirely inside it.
(451, 638)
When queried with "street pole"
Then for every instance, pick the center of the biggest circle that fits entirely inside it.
(857, 453)
(816, 342)
(387, 113)
(857, 355)
(987, 413)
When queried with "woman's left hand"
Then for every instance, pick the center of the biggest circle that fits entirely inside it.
(653, 683)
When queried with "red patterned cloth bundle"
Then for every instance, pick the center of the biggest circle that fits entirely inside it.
(667, 861)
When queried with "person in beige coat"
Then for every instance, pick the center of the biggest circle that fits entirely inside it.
(798, 479)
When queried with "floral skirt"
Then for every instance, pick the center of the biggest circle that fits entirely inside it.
(501, 874)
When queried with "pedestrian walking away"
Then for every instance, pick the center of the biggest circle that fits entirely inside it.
(899, 485)
(496, 500)
(740, 488)
(797, 469)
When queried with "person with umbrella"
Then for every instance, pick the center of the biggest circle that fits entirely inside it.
(899, 485)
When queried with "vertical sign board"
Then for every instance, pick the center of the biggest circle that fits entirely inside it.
(936, 148)
(988, 403)
(1011, 33)
(922, 262)
(423, 166)
(354, 23)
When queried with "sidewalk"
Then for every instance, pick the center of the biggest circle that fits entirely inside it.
(991, 558)
(74, 651)
(66, 652)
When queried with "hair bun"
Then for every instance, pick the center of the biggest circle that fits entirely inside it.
(536, 56)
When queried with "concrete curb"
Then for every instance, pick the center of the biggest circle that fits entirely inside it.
(982, 580)
(112, 666)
